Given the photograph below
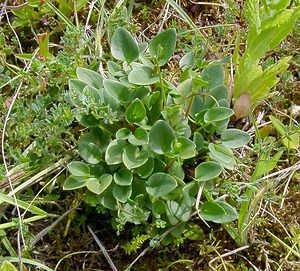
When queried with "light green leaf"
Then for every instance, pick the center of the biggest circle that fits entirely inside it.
(139, 138)
(122, 193)
(222, 154)
(113, 154)
(97, 186)
(163, 45)
(183, 147)
(161, 137)
(89, 151)
(79, 169)
(74, 182)
(143, 76)
(123, 46)
(207, 171)
(123, 177)
(160, 184)
(234, 138)
(117, 90)
(218, 212)
(7, 266)
(123, 134)
(89, 77)
(217, 114)
(135, 112)
(133, 157)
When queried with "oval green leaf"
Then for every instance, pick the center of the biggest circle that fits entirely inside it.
(207, 171)
(217, 114)
(163, 45)
(113, 154)
(79, 169)
(183, 147)
(160, 184)
(143, 76)
(117, 90)
(74, 182)
(122, 193)
(123, 177)
(234, 138)
(136, 112)
(123, 46)
(161, 137)
(89, 151)
(89, 77)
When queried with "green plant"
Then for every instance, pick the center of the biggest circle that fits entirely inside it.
(270, 23)
(145, 135)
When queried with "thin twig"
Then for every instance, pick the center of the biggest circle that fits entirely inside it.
(112, 265)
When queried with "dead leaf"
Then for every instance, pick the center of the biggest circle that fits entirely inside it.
(242, 107)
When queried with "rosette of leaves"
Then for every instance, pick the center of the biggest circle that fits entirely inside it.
(143, 132)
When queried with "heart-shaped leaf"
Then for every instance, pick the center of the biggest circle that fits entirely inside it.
(123, 46)
(161, 137)
(93, 185)
(207, 171)
(160, 184)
(133, 157)
(143, 76)
(135, 112)
(123, 177)
(79, 169)
(163, 45)
(122, 193)
(234, 138)
(123, 134)
(113, 154)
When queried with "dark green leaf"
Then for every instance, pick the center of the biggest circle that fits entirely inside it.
(122, 193)
(123, 177)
